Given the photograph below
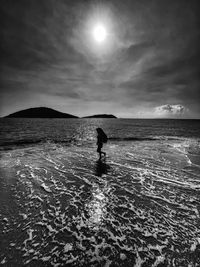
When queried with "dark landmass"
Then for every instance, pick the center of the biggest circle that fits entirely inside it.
(110, 116)
(43, 112)
(40, 112)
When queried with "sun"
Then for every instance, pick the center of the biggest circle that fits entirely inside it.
(99, 33)
(96, 34)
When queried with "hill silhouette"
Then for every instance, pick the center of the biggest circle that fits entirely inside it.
(40, 112)
(109, 116)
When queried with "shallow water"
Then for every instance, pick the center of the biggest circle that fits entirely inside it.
(140, 206)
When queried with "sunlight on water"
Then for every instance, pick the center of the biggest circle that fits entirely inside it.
(96, 208)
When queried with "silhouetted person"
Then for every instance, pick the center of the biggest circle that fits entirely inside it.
(101, 138)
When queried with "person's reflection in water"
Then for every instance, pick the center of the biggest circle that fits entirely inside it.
(101, 167)
(98, 202)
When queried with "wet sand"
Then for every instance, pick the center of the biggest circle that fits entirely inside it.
(60, 206)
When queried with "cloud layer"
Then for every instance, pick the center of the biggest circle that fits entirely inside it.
(151, 65)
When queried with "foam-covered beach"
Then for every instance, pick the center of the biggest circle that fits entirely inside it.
(140, 206)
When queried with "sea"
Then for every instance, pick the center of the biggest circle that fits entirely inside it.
(61, 206)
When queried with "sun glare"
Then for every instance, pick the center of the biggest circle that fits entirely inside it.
(99, 33)
(97, 36)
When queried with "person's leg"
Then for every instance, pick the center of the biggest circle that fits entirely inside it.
(104, 153)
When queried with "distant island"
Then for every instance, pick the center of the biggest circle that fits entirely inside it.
(43, 112)
(108, 116)
(40, 112)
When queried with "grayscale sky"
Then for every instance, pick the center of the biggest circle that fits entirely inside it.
(144, 65)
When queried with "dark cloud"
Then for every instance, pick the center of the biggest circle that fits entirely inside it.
(153, 60)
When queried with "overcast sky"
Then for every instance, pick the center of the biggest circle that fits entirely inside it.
(147, 66)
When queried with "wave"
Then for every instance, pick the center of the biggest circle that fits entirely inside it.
(9, 145)
(191, 149)
(145, 138)
(21, 143)
(133, 139)
(24, 142)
